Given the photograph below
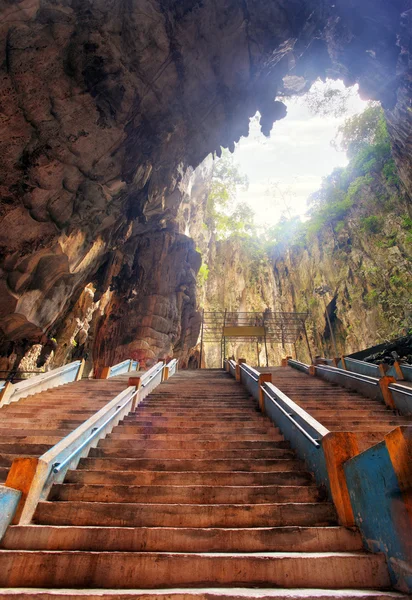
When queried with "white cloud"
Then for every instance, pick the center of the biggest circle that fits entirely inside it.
(296, 157)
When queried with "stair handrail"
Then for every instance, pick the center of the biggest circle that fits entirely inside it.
(385, 388)
(232, 366)
(118, 369)
(13, 392)
(57, 467)
(371, 387)
(170, 369)
(297, 364)
(39, 474)
(306, 417)
(402, 397)
(173, 366)
(250, 371)
(348, 374)
(151, 373)
(399, 371)
(354, 365)
(324, 451)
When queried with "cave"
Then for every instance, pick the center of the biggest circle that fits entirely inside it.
(109, 112)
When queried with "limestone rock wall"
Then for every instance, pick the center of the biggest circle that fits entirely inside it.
(370, 281)
(240, 279)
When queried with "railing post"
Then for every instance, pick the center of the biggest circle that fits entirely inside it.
(338, 447)
(6, 392)
(79, 373)
(136, 382)
(105, 373)
(335, 361)
(312, 370)
(130, 365)
(399, 445)
(165, 374)
(383, 369)
(263, 378)
(398, 370)
(21, 476)
(238, 371)
(342, 360)
(9, 501)
(384, 383)
(284, 362)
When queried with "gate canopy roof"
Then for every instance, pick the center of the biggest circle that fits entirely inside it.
(280, 327)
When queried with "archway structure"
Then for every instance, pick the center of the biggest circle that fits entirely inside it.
(220, 327)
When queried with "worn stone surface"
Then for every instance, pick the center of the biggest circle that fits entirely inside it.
(105, 109)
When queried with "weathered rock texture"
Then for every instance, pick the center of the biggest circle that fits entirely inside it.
(106, 106)
(369, 279)
(241, 279)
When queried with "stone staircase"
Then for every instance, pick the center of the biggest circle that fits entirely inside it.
(337, 408)
(194, 496)
(32, 425)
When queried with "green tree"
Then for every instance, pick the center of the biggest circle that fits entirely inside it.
(226, 179)
(224, 214)
(365, 129)
(328, 98)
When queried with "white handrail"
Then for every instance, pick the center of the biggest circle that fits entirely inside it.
(44, 381)
(52, 466)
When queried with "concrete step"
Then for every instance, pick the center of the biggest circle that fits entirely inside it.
(187, 494)
(234, 429)
(173, 539)
(207, 406)
(195, 488)
(189, 466)
(38, 423)
(115, 441)
(255, 420)
(201, 594)
(33, 431)
(16, 448)
(361, 428)
(126, 432)
(348, 414)
(27, 411)
(154, 570)
(55, 406)
(116, 452)
(130, 477)
(125, 514)
(371, 422)
(207, 414)
(30, 439)
(366, 439)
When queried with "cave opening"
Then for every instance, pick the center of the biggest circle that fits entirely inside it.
(105, 180)
(273, 200)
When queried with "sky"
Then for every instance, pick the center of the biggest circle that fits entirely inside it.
(286, 168)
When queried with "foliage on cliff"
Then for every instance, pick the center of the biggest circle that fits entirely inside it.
(357, 239)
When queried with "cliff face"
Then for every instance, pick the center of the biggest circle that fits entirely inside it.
(240, 279)
(107, 106)
(365, 269)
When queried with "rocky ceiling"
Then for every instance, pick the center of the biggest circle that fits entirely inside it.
(107, 106)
